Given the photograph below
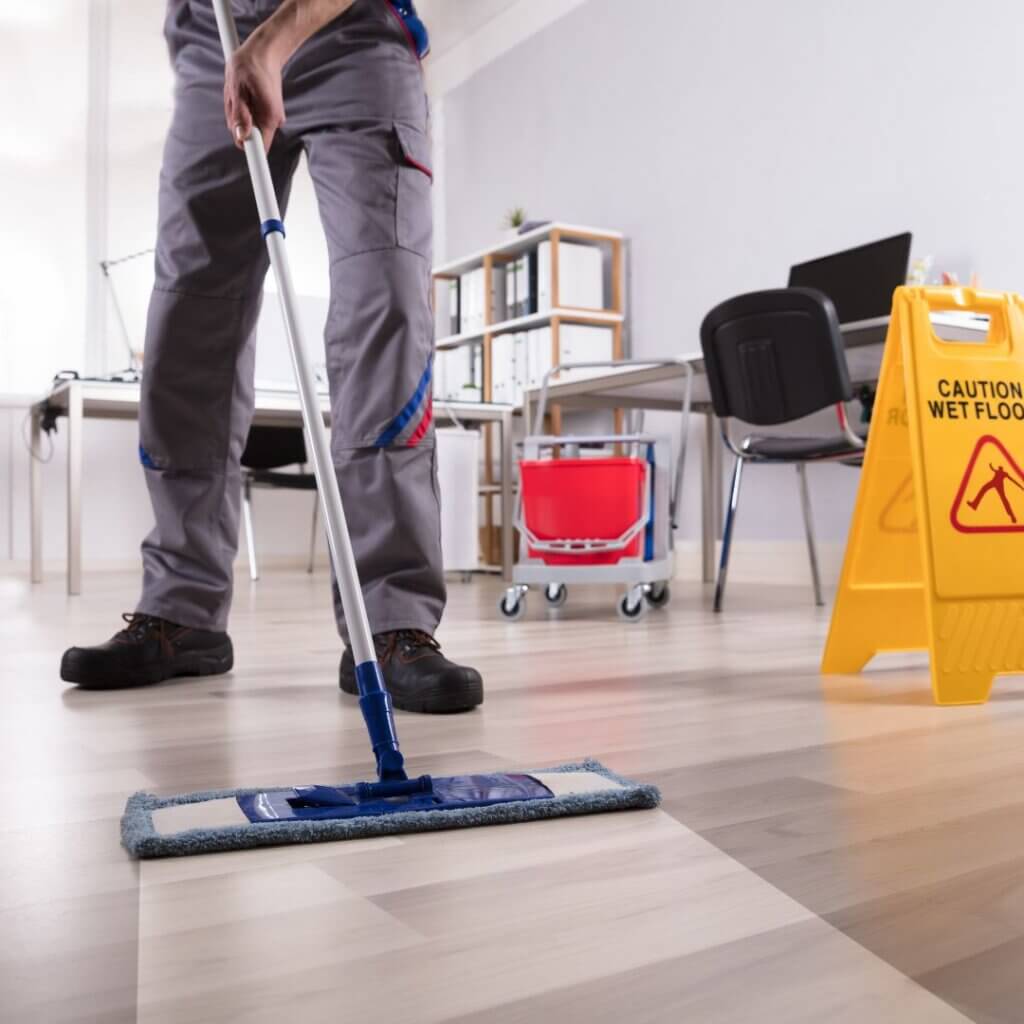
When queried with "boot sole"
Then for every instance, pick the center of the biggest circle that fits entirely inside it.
(213, 662)
(448, 701)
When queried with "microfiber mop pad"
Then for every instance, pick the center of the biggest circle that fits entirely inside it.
(237, 819)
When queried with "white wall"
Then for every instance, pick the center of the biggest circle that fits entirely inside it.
(451, 22)
(139, 94)
(729, 140)
(140, 105)
(42, 182)
(49, 165)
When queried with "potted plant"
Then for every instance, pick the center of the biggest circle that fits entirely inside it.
(514, 220)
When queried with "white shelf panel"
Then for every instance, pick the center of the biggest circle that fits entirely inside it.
(524, 323)
(518, 245)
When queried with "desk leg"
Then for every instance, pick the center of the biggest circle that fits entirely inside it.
(717, 457)
(74, 489)
(35, 495)
(708, 521)
(507, 498)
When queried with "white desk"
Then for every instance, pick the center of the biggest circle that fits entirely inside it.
(660, 388)
(80, 400)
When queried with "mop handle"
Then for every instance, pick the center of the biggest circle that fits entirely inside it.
(374, 700)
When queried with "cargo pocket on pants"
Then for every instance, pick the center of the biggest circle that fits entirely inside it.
(413, 219)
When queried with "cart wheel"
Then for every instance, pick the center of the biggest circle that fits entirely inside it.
(658, 596)
(629, 611)
(512, 606)
(556, 594)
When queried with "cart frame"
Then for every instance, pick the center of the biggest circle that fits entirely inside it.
(647, 581)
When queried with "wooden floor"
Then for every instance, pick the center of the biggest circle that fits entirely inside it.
(827, 850)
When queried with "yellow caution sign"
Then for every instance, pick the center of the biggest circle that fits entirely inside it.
(935, 556)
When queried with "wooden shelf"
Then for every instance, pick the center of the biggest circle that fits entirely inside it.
(523, 243)
(491, 261)
(594, 317)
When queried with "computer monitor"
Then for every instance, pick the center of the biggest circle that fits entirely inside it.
(859, 281)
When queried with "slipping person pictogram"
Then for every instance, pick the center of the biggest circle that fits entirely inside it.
(998, 483)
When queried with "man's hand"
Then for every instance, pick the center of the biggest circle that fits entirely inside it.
(252, 93)
(252, 79)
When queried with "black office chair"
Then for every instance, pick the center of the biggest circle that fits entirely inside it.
(267, 451)
(773, 357)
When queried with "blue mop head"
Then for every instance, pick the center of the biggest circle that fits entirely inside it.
(237, 819)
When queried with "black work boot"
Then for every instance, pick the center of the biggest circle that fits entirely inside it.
(148, 650)
(418, 676)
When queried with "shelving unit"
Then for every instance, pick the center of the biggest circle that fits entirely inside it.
(497, 256)
(596, 318)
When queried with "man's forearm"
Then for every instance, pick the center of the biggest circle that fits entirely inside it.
(292, 24)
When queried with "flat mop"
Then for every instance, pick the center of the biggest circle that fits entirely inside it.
(217, 820)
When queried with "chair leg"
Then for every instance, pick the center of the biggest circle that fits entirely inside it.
(250, 539)
(312, 533)
(730, 520)
(812, 553)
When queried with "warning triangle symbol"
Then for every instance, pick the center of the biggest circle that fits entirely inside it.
(990, 498)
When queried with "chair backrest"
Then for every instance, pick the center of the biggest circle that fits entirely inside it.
(774, 356)
(272, 447)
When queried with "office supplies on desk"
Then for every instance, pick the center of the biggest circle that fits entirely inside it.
(859, 281)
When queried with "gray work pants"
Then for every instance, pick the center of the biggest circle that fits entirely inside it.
(355, 104)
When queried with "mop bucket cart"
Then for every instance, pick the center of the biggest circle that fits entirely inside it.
(598, 518)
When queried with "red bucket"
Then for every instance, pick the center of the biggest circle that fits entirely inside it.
(583, 499)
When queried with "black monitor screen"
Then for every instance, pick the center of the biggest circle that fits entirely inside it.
(860, 281)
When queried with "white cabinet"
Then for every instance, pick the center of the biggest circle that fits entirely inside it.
(458, 476)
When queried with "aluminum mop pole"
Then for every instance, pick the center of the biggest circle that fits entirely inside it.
(374, 699)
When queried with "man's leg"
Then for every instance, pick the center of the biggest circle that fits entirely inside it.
(197, 384)
(379, 345)
(373, 185)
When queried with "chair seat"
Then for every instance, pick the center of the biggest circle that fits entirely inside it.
(780, 448)
(292, 481)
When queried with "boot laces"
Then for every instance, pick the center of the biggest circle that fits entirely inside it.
(407, 638)
(417, 638)
(138, 627)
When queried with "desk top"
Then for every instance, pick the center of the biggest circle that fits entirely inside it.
(642, 387)
(657, 386)
(120, 400)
